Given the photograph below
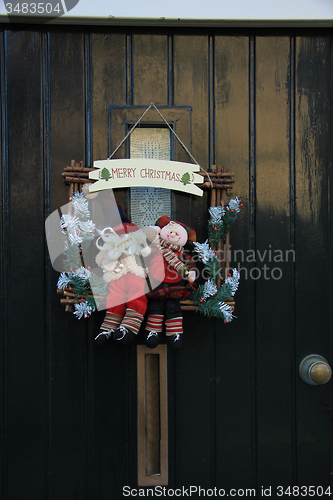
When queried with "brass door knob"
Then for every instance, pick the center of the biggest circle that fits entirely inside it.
(315, 370)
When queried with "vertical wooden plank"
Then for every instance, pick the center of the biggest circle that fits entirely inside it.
(192, 72)
(67, 337)
(4, 278)
(4, 275)
(108, 51)
(233, 341)
(150, 69)
(153, 419)
(193, 460)
(114, 367)
(150, 83)
(313, 135)
(274, 272)
(24, 258)
(152, 415)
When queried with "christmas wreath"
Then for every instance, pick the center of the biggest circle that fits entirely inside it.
(77, 281)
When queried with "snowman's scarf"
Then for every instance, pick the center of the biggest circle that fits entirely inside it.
(168, 251)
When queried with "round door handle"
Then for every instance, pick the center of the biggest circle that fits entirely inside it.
(315, 370)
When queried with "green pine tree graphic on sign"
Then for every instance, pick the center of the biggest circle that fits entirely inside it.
(186, 178)
(105, 174)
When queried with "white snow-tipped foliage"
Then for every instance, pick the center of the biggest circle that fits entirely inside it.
(217, 214)
(204, 251)
(82, 309)
(209, 290)
(233, 281)
(234, 205)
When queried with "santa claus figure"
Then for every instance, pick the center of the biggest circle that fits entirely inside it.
(120, 257)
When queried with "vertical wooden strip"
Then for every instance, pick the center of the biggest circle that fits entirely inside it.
(211, 161)
(88, 98)
(273, 273)
(114, 369)
(25, 263)
(191, 65)
(331, 206)
(90, 394)
(233, 67)
(292, 191)
(68, 337)
(129, 69)
(313, 136)
(49, 283)
(109, 86)
(152, 416)
(252, 245)
(150, 80)
(4, 278)
(171, 86)
(192, 365)
(210, 103)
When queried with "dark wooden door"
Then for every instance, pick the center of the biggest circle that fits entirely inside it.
(239, 415)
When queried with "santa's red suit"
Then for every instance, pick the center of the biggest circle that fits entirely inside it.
(126, 301)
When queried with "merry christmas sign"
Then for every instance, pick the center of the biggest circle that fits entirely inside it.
(142, 172)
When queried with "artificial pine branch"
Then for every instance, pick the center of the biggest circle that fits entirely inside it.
(78, 231)
(221, 221)
(213, 268)
(207, 298)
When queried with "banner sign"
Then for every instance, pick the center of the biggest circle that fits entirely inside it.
(142, 172)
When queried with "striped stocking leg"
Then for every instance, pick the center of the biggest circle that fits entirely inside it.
(174, 326)
(155, 323)
(111, 321)
(174, 330)
(132, 321)
(154, 329)
(109, 325)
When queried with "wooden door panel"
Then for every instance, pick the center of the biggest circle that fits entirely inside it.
(274, 231)
(108, 74)
(66, 339)
(235, 343)
(312, 150)
(193, 430)
(23, 265)
(150, 69)
(112, 370)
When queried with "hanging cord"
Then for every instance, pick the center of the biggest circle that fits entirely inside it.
(152, 105)
(130, 131)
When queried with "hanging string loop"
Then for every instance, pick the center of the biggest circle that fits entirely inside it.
(152, 105)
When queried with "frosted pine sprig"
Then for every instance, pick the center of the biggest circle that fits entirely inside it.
(74, 237)
(204, 251)
(63, 281)
(226, 311)
(82, 309)
(82, 272)
(233, 281)
(69, 222)
(86, 226)
(80, 206)
(209, 290)
(217, 214)
(234, 205)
